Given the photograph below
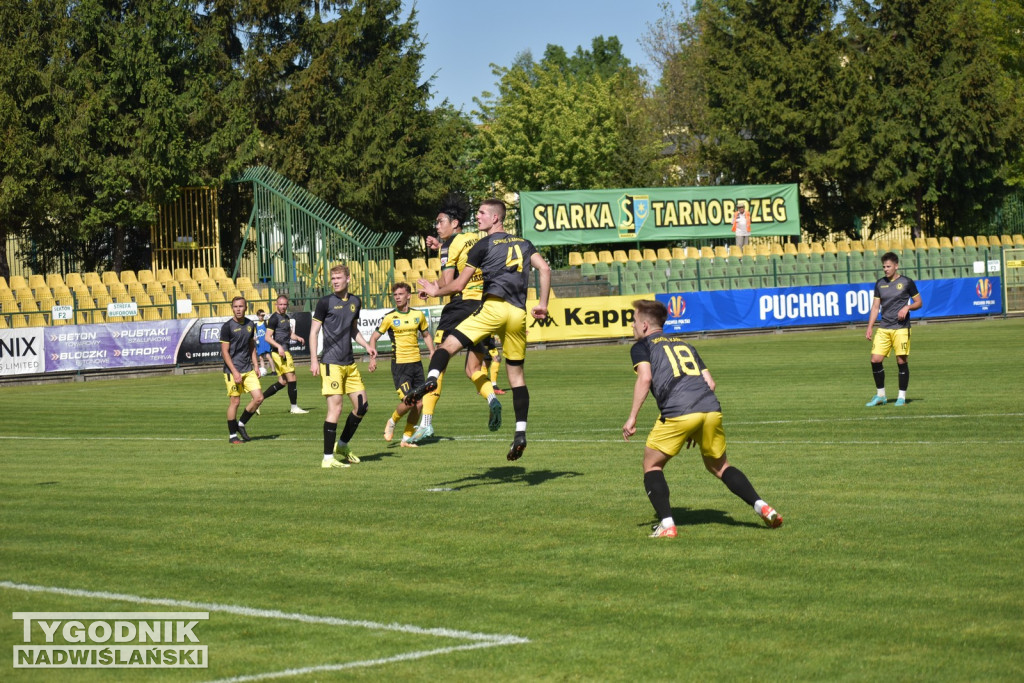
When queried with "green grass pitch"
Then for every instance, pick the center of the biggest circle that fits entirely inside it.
(901, 557)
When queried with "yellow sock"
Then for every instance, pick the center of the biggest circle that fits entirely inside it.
(410, 427)
(431, 399)
(395, 417)
(495, 366)
(482, 382)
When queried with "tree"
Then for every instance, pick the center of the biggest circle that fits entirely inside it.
(569, 122)
(343, 112)
(770, 74)
(933, 119)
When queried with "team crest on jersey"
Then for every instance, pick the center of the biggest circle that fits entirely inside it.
(676, 306)
(334, 385)
(984, 288)
(899, 286)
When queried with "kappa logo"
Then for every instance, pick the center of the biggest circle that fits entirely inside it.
(547, 321)
(983, 288)
(676, 306)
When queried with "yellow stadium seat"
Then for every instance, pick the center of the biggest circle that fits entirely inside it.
(650, 255)
(749, 251)
(419, 264)
(18, 282)
(575, 258)
(789, 248)
(1006, 240)
(402, 264)
(217, 273)
(816, 248)
(829, 248)
(54, 280)
(145, 276)
(619, 256)
(931, 243)
(109, 277)
(721, 252)
(23, 294)
(735, 252)
(635, 255)
(856, 245)
(803, 249)
(37, 282)
(707, 252)
(199, 274)
(1018, 240)
(434, 263)
(945, 243)
(869, 244)
(663, 254)
(164, 275)
(18, 320)
(981, 241)
(128, 276)
(605, 256)
(72, 279)
(590, 257)
(957, 241)
(182, 274)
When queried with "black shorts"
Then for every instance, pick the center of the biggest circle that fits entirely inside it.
(407, 376)
(453, 314)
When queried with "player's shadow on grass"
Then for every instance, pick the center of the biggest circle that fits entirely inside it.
(506, 475)
(376, 457)
(265, 437)
(689, 517)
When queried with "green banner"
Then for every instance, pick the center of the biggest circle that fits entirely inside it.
(656, 213)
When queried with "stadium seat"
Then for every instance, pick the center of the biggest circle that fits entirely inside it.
(434, 263)
(17, 282)
(945, 243)
(1005, 240)
(605, 256)
(650, 255)
(590, 257)
(664, 254)
(635, 255)
(619, 256)
(199, 274)
(843, 247)
(419, 264)
(1018, 240)
(575, 259)
(37, 282)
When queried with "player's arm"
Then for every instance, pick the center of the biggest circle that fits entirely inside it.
(875, 305)
(456, 285)
(540, 311)
(915, 303)
(640, 390)
(314, 340)
(252, 351)
(361, 340)
(373, 345)
(236, 376)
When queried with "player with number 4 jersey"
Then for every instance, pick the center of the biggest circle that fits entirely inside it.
(672, 371)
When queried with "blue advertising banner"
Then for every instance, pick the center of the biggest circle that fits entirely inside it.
(792, 306)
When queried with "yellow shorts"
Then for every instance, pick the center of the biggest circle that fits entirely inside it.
(340, 379)
(705, 428)
(250, 382)
(283, 364)
(891, 340)
(500, 318)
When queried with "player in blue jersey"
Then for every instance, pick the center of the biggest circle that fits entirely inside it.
(505, 261)
(895, 297)
(672, 370)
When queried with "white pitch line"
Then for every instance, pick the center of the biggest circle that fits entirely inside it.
(268, 614)
(405, 657)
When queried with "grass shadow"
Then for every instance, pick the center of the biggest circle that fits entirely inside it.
(690, 517)
(506, 475)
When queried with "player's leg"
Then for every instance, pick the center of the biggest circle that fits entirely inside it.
(250, 385)
(429, 404)
(360, 405)
(881, 345)
(902, 345)
(293, 385)
(656, 487)
(410, 425)
(513, 334)
(332, 390)
(234, 400)
(712, 449)
(438, 364)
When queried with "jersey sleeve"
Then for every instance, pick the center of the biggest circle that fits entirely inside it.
(639, 354)
(385, 323)
(455, 250)
(911, 288)
(320, 313)
(424, 323)
(878, 292)
(355, 318)
(225, 333)
(476, 254)
(697, 359)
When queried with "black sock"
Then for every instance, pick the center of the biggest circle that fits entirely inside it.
(904, 375)
(439, 361)
(351, 425)
(330, 434)
(521, 402)
(740, 485)
(293, 392)
(273, 389)
(657, 493)
(232, 427)
(879, 371)
(246, 416)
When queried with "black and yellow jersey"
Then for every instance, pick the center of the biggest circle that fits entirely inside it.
(504, 261)
(677, 379)
(240, 338)
(454, 253)
(404, 329)
(894, 295)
